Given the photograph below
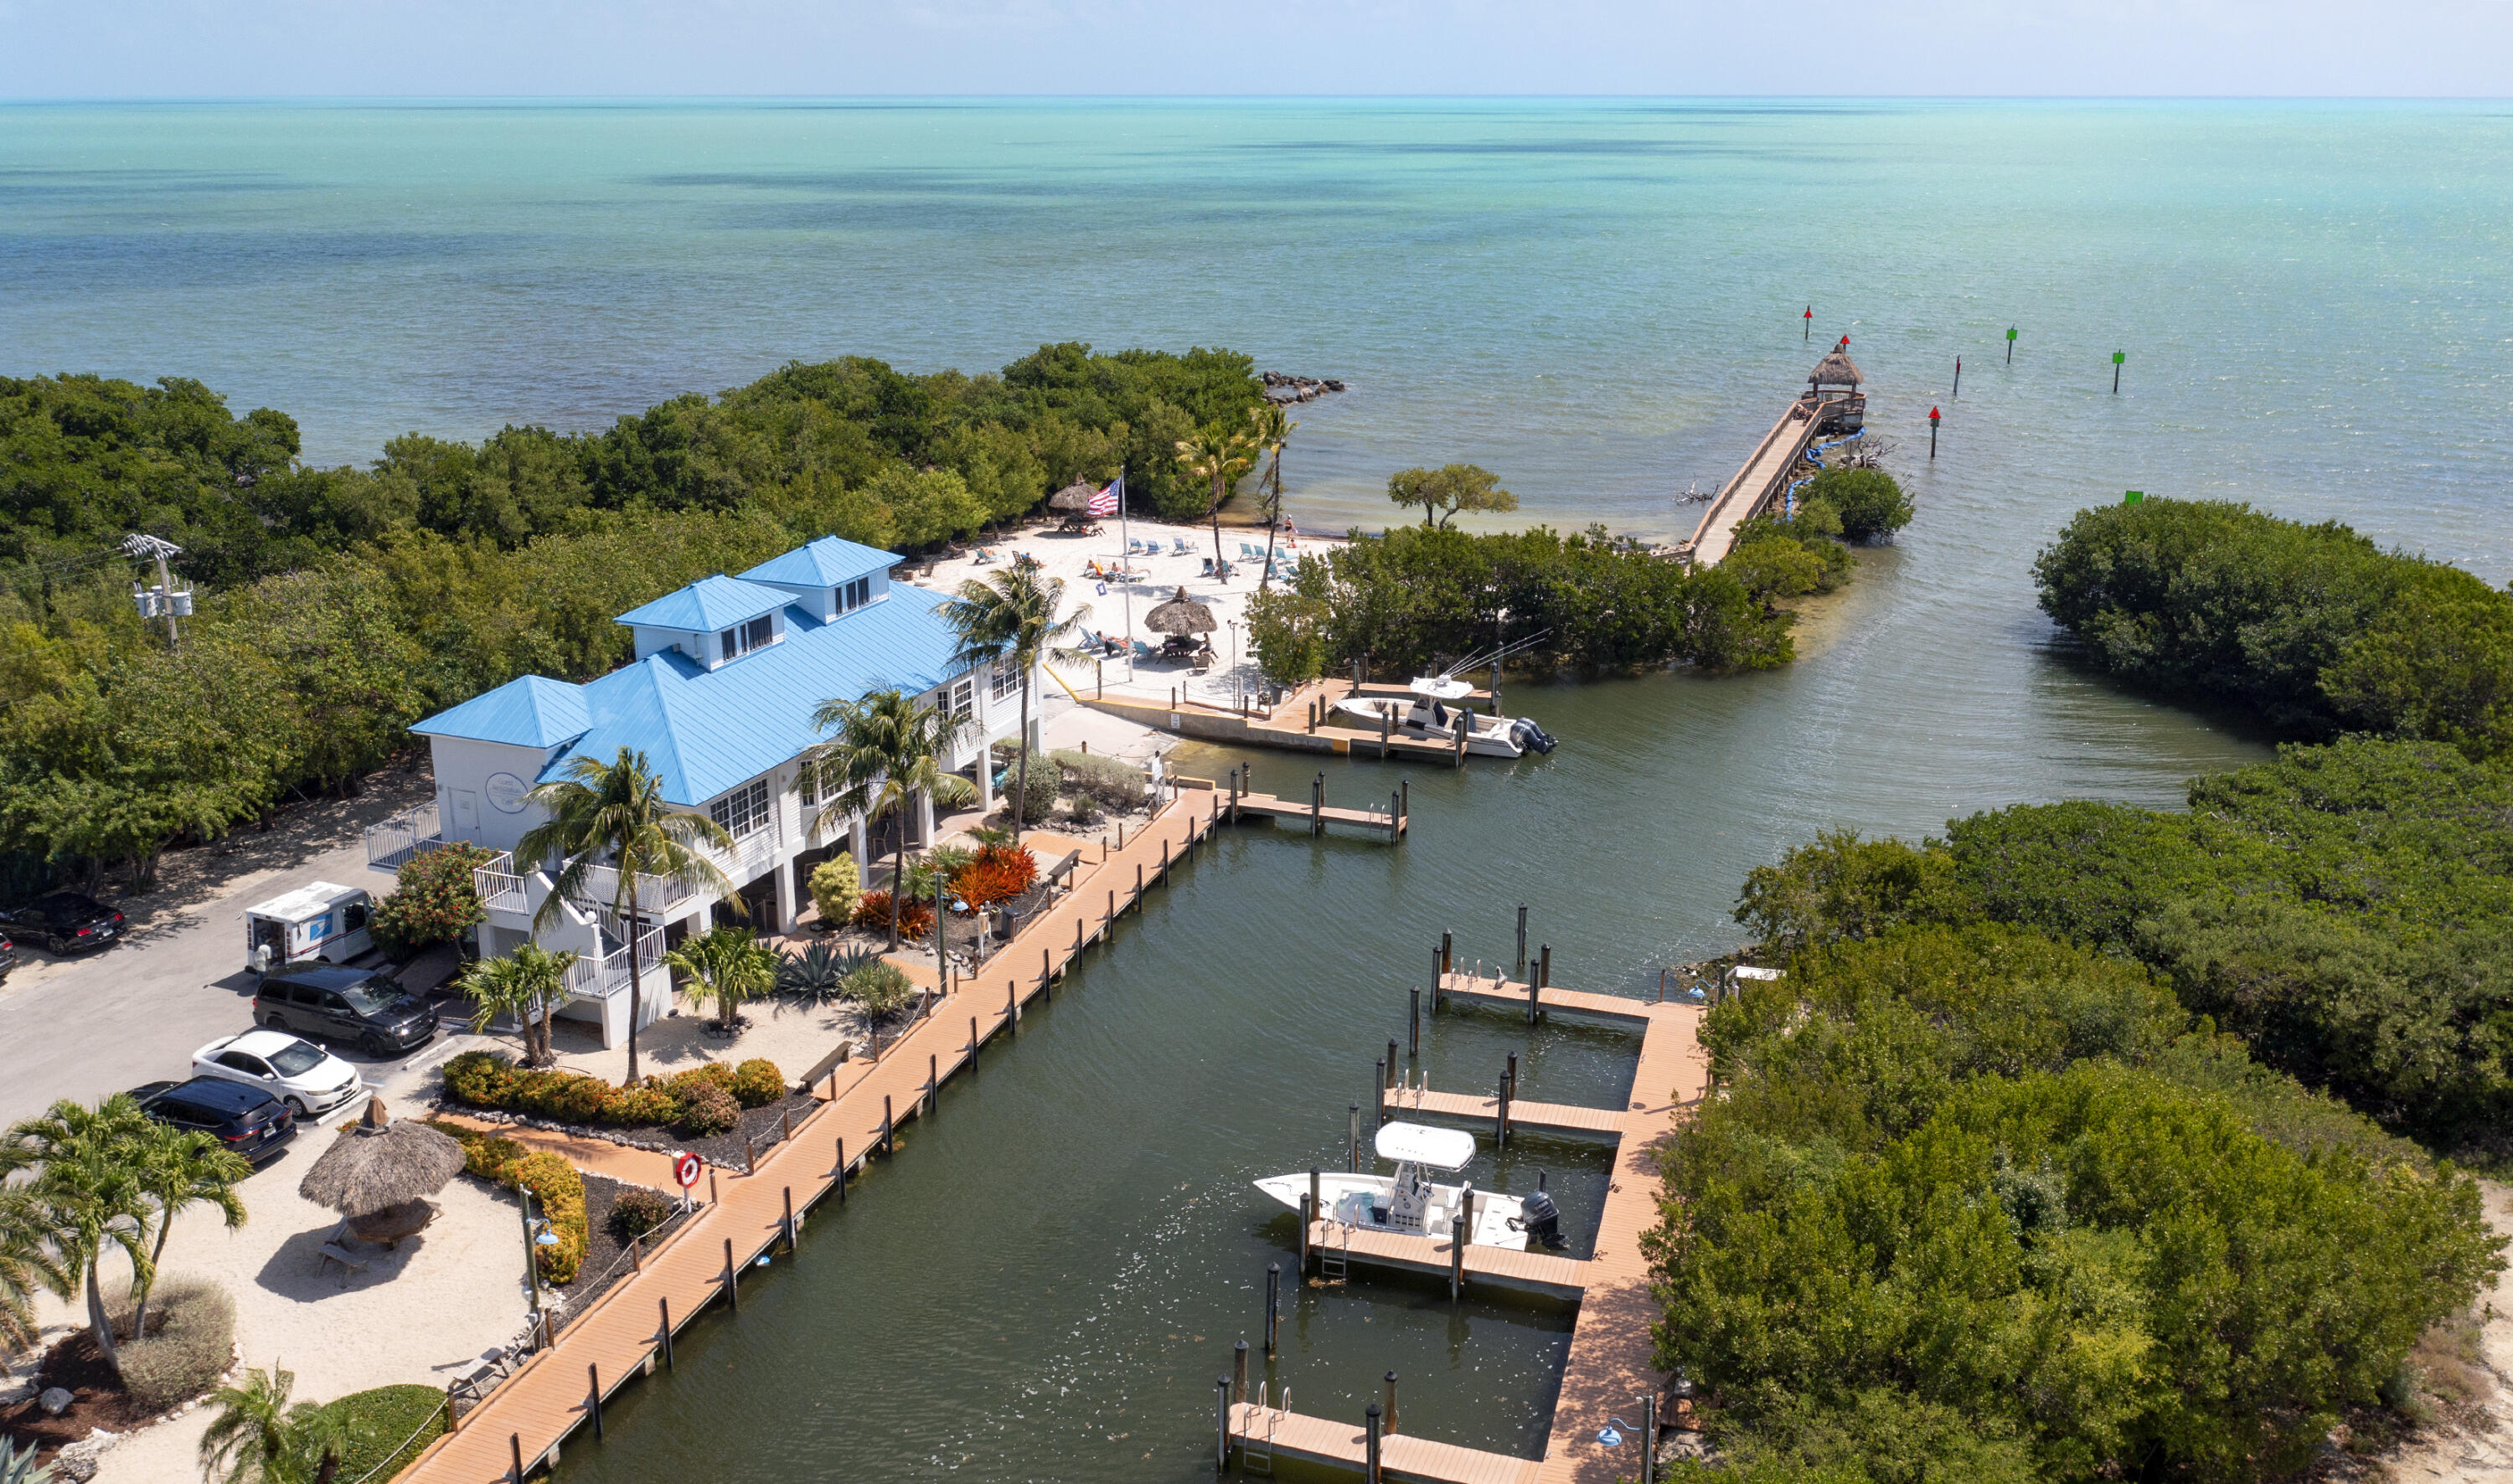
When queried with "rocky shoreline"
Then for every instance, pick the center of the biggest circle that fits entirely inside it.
(1284, 387)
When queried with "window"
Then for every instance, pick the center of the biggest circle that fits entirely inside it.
(806, 783)
(963, 699)
(743, 811)
(754, 635)
(237, 1061)
(854, 595)
(1006, 679)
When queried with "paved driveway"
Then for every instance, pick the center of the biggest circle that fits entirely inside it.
(82, 1028)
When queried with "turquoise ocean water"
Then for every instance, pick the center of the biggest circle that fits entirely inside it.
(1600, 300)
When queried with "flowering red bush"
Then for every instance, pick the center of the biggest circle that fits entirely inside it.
(998, 874)
(872, 911)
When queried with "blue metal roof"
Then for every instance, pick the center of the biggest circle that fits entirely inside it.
(703, 732)
(824, 562)
(710, 602)
(530, 711)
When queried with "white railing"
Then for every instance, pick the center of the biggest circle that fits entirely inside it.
(749, 857)
(590, 978)
(407, 835)
(499, 888)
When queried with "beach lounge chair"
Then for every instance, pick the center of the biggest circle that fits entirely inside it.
(1179, 548)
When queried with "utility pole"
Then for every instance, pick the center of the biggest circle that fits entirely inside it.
(165, 602)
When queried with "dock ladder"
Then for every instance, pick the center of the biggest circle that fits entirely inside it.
(1256, 1450)
(1334, 1261)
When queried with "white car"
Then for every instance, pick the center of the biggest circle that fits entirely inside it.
(307, 1078)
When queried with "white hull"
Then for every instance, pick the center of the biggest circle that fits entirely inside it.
(1368, 1203)
(1490, 736)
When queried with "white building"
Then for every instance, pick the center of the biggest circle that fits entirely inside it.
(719, 698)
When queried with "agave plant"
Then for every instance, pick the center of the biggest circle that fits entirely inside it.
(819, 974)
(20, 1467)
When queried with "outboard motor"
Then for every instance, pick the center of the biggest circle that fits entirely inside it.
(1530, 737)
(1541, 1221)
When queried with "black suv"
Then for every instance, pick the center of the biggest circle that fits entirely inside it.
(367, 1011)
(64, 922)
(248, 1121)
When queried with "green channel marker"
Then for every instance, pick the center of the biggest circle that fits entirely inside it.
(2010, 345)
(2117, 357)
(2133, 497)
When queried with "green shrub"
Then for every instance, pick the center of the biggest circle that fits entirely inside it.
(649, 1104)
(191, 1344)
(568, 1097)
(757, 1082)
(432, 901)
(1111, 782)
(1870, 503)
(835, 885)
(636, 1211)
(557, 1190)
(1045, 782)
(880, 988)
(480, 1078)
(706, 1108)
(387, 1427)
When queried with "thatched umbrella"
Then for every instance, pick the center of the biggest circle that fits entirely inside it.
(1835, 369)
(1074, 498)
(381, 1166)
(1182, 615)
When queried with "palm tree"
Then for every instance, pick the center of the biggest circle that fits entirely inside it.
(1272, 430)
(88, 1192)
(528, 983)
(887, 749)
(617, 809)
(26, 1265)
(1220, 456)
(259, 1438)
(725, 966)
(1009, 618)
(178, 1168)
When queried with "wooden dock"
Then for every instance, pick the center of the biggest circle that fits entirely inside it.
(1284, 1434)
(1544, 1272)
(1231, 804)
(1765, 477)
(1303, 722)
(625, 1333)
(1524, 1113)
(1611, 1367)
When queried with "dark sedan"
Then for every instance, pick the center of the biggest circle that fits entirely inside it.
(64, 922)
(351, 1006)
(248, 1121)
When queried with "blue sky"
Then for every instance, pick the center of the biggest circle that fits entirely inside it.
(267, 48)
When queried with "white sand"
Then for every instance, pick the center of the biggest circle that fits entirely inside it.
(420, 1315)
(1159, 579)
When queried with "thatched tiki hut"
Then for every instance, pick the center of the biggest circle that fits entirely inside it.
(379, 1174)
(1833, 386)
(1073, 503)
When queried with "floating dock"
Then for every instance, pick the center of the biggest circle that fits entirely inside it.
(1612, 1368)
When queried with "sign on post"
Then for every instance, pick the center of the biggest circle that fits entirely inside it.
(687, 1167)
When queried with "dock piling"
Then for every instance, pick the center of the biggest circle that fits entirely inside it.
(1522, 941)
(789, 1221)
(1222, 1423)
(1392, 1064)
(1380, 1080)
(1353, 1143)
(1501, 1112)
(842, 1172)
(933, 1080)
(888, 1143)
(515, 1440)
(1369, 1473)
(732, 1288)
(1436, 979)
(1395, 821)
(1308, 1214)
(1448, 951)
(1405, 805)
(1458, 1253)
(1239, 1371)
(1273, 1302)
(665, 1305)
(1414, 1021)
(593, 1396)
(1390, 1425)
(1318, 806)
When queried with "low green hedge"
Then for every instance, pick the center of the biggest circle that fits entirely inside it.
(387, 1427)
(492, 1079)
(553, 1182)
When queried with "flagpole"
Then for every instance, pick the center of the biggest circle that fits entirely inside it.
(1125, 534)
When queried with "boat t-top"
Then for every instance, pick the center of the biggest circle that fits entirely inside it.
(1434, 711)
(1411, 1204)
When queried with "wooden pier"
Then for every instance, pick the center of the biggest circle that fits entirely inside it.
(626, 1332)
(1525, 1115)
(1612, 1368)
(1233, 803)
(1832, 402)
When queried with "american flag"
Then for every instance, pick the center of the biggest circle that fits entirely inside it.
(1106, 501)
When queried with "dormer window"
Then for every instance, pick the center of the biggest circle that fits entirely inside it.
(854, 595)
(744, 638)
